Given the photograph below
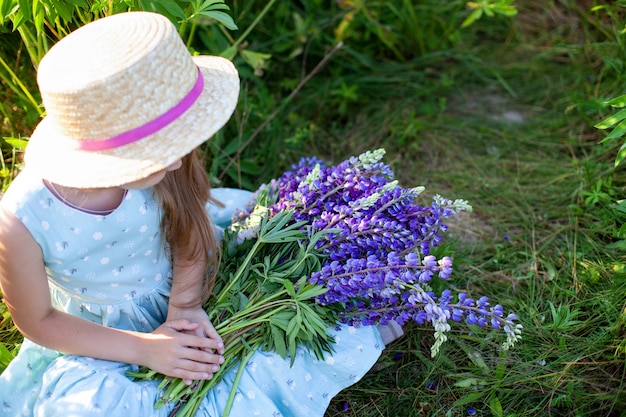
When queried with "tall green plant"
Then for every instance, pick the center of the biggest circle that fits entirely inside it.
(489, 8)
(405, 28)
(41, 23)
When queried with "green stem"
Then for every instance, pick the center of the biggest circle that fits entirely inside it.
(183, 24)
(224, 292)
(196, 396)
(30, 41)
(42, 46)
(252, 25)
(242, 324)
(233, 391)
(12, 133)
(192, 30)
(248, 311)
(18, 87)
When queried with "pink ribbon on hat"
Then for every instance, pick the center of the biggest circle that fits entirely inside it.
(149, 128)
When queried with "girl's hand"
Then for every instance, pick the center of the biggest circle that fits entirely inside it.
(199, 316)
(175, 349)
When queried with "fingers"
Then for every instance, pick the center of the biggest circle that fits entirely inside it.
(190, 334)
(197, 365)
(182, 325)
(208, 362)
(210, 331)
(213, 335)
(188, 374)
(203, 350)
(193, 354)
(188, 377)
(202, 329)
(204, 343)
(220, 350)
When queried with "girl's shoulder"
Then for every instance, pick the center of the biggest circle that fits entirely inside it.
(24, 188)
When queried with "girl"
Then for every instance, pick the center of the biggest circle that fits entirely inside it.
(107, 247)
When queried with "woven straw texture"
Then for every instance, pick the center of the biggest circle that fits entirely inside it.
(114, 75)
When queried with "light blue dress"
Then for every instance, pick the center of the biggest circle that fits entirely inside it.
(116, 271)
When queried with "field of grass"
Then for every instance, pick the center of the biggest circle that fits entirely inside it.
(519, 144)
(502, 115)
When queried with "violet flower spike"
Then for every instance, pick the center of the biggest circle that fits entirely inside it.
(376, 259)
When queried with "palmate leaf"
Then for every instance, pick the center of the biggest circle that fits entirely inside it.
(291, 265)
(280, 269)
(277, 341)
(212, 9)
(294, 325)
(170, 8)
(301, 325)
(271, 269)
(276, 230)
(307, 291)
(298, 327)
(221, 17)
(293, 341)
(281, 319)
(316, 321)
(289, 287)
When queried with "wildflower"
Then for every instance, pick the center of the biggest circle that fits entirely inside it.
(348, 244)
(377, 259)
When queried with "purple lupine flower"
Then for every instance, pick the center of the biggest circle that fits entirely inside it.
(376, 259)
(345, 406)
(445, 267)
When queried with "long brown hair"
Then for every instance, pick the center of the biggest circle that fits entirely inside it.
(186, 225)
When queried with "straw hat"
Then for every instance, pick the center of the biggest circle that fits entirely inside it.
(125, 99)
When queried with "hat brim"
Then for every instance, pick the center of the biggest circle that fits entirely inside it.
(55, 157)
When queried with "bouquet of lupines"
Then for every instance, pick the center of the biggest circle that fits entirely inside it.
(328, 244)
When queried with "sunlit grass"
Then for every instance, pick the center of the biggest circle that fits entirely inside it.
(517, 152)
(505, 121)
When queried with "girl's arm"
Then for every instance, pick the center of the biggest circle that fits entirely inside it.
(170, 349)
(186, 300)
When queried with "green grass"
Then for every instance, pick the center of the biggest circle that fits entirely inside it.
(519, 144)
(502, 117)
(531, 245)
